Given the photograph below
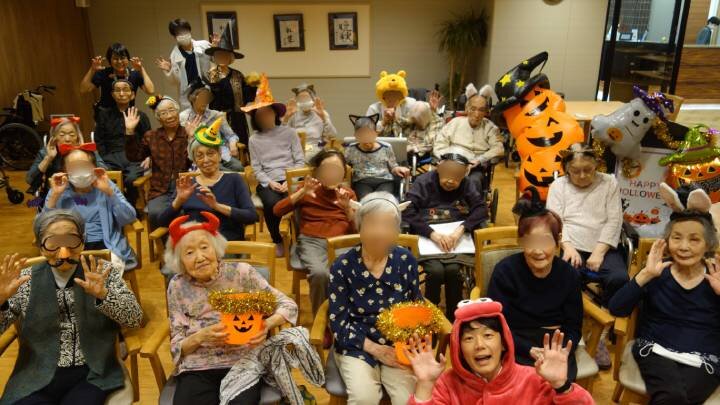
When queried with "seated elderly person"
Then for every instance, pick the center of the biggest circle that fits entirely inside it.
(197, 337)
(677, 346)
(200, 97)
(424, 126)
(68, 317)
(540, 292)
(167, 149)
(440, 196)
(393, 105)
(86, 189)
(325, 211)
(474, 135)
(306, 113)
(364, 281)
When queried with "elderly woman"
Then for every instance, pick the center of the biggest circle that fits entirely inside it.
(197, 337)
(540, 293)
(424, 127)
(167, 149)
(306, 113)
(677, 346)
(86, 189)
(68, 316)
(364, 281)
(325, 211)
(224, 194)
(199, 98)
(274, 149)
(63, 131)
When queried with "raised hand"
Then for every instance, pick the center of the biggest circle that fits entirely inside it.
(51, 148)
(192, 125)
(136, 63)
(654, 265)
(95, 278)
(291, 107)
(59, 183)
(207, 197)
(343, 198)
(102, 181)
(163, 64)
(435, 99)
(185, 187)
(215, 39)
(10, 280)
(388, 115)
(713, 273)
(96, 63)
(319, 108)
(310, 185)
(552, 363)
(132, 118)
(422, 359)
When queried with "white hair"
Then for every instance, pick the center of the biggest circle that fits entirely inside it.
(378, 202)
(421, 113)
(172, 253)
(65, 121)
(169, 100)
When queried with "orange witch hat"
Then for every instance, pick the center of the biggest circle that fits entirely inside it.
(264, 98)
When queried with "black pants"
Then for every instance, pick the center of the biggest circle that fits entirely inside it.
(366, 186)
(478, 176)
(612, 274)
(269, 198)
(438, 273)
(131, 171)
(534, 338)
(669, 382)
(69, 386)
(203, 388)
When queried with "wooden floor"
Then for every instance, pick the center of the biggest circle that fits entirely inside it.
(16, 236)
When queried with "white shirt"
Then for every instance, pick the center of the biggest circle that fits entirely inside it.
(177, 74)
(476, 144)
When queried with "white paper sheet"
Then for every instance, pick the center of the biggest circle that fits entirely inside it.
(428, 247)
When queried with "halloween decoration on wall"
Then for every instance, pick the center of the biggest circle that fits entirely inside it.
(536, 118)
(242, 313)
(697, 161)
(403, 320)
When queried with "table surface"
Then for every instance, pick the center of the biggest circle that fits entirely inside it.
(586, 110)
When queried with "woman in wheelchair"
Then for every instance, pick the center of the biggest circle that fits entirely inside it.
(677, 347)
(539, 292)
(424, 126)
(86, 188)
(483, 365)
(197, 337)
(68, 312)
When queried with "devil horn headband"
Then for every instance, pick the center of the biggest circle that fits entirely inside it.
(177, 231)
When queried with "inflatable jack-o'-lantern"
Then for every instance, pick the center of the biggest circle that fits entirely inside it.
(242, 313)
(536, 118)
(697, 161)
(403, 320)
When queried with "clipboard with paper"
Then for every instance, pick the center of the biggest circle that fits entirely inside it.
(464, 246)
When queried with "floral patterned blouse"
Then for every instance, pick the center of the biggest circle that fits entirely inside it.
(357, 297)
(190, 311)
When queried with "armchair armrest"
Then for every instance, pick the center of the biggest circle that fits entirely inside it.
(317, 332)
(152, 344)
(598, 314)
(158, 233)
(140, 181)
(7, 338)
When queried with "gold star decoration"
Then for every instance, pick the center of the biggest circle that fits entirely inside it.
(519, 83)
(504, 80)
(524, 62)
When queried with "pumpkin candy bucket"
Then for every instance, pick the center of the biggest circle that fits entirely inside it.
(401, 321)
(242, 313)
(696, 161)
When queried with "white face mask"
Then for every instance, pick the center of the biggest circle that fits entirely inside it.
(82, 178)
(306, 105)
(184, 39)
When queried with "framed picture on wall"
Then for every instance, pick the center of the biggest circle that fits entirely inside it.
(289, 32)
(216, 22)
(342, 28)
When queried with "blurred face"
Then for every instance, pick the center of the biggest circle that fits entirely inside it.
(366, 137)
(686, 243)
(168, 115)
(305, 101)
(482, 350)
(198, 255)
(392, 98)
(202, 100)
(119, 62)
(65, 134)
(61, 245)
(123, 93)
(265, 118)
(476, 110)
(451, 174)
(207, 160)
(582, 171)
(379, 231)
(331, 172)
(78, 160)
(539, 248)
(223, 58)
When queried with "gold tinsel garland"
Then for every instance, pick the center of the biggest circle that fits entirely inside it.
(661, 131)
(234, 302)
(385, 322)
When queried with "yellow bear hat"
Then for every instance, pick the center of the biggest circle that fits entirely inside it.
(389, 82)
(210, 136)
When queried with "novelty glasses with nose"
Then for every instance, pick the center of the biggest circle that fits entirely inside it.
(53, 243)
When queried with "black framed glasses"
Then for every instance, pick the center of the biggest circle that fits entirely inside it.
(55, 242)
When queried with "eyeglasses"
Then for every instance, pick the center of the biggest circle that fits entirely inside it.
(576, 172)
(167, 113)
(211, 153)
(537, 242)
(55, 242)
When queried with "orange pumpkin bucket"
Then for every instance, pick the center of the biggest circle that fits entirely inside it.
(242, 313)
(401, 321)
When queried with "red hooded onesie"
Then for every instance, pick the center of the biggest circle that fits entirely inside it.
(514, 385)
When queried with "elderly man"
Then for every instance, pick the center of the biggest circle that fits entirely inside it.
(473, 136)
(69, 311)
(441, 196)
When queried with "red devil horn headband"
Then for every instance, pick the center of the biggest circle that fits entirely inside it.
(177, 231)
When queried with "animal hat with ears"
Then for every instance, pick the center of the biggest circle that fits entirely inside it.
(486, 91)
(400, 207)
(686, 202)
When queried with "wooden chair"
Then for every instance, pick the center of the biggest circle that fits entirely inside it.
(494, 244)
(260, 254)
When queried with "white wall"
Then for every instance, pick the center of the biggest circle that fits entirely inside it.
(661, 14)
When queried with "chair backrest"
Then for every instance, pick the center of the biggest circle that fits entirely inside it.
(491, 246)
(258, 254)
(398, 145)
(640, 259)
(303, 138)
(336, 243)
(294, 177)
(99, 254)
(677, 103)
(116, 177)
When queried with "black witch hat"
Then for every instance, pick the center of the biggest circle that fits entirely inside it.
(517, 82)
(225, 43)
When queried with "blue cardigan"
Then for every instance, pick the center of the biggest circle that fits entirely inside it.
(115, 213)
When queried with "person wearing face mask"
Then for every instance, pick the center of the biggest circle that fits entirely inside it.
(188, 61)
(86, 188)
(540, 293)
(68, 311)
(324, 207)
(441, 196)
(394, 104)
(231, 89)
(306, 112)
(103, 77)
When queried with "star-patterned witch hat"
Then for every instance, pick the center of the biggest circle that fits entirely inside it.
(517, 82)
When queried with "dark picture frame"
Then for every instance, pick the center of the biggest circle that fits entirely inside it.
(343, 31)
(216, 20)
(289, 32)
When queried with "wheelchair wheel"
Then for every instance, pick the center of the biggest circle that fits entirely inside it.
(19, 144)
(15, 196)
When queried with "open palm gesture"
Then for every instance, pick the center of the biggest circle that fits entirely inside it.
(654, 265)
(713, 274)
(422, 359)
(552, 362)
(95, 277)
(10, 280)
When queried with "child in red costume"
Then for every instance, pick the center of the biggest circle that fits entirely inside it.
(484, 371)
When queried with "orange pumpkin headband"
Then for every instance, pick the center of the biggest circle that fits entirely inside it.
(177, 231)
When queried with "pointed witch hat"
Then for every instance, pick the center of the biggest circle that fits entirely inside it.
(225, 43)
(264, 98)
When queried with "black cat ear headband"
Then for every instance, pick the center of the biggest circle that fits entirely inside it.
(374, 118)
